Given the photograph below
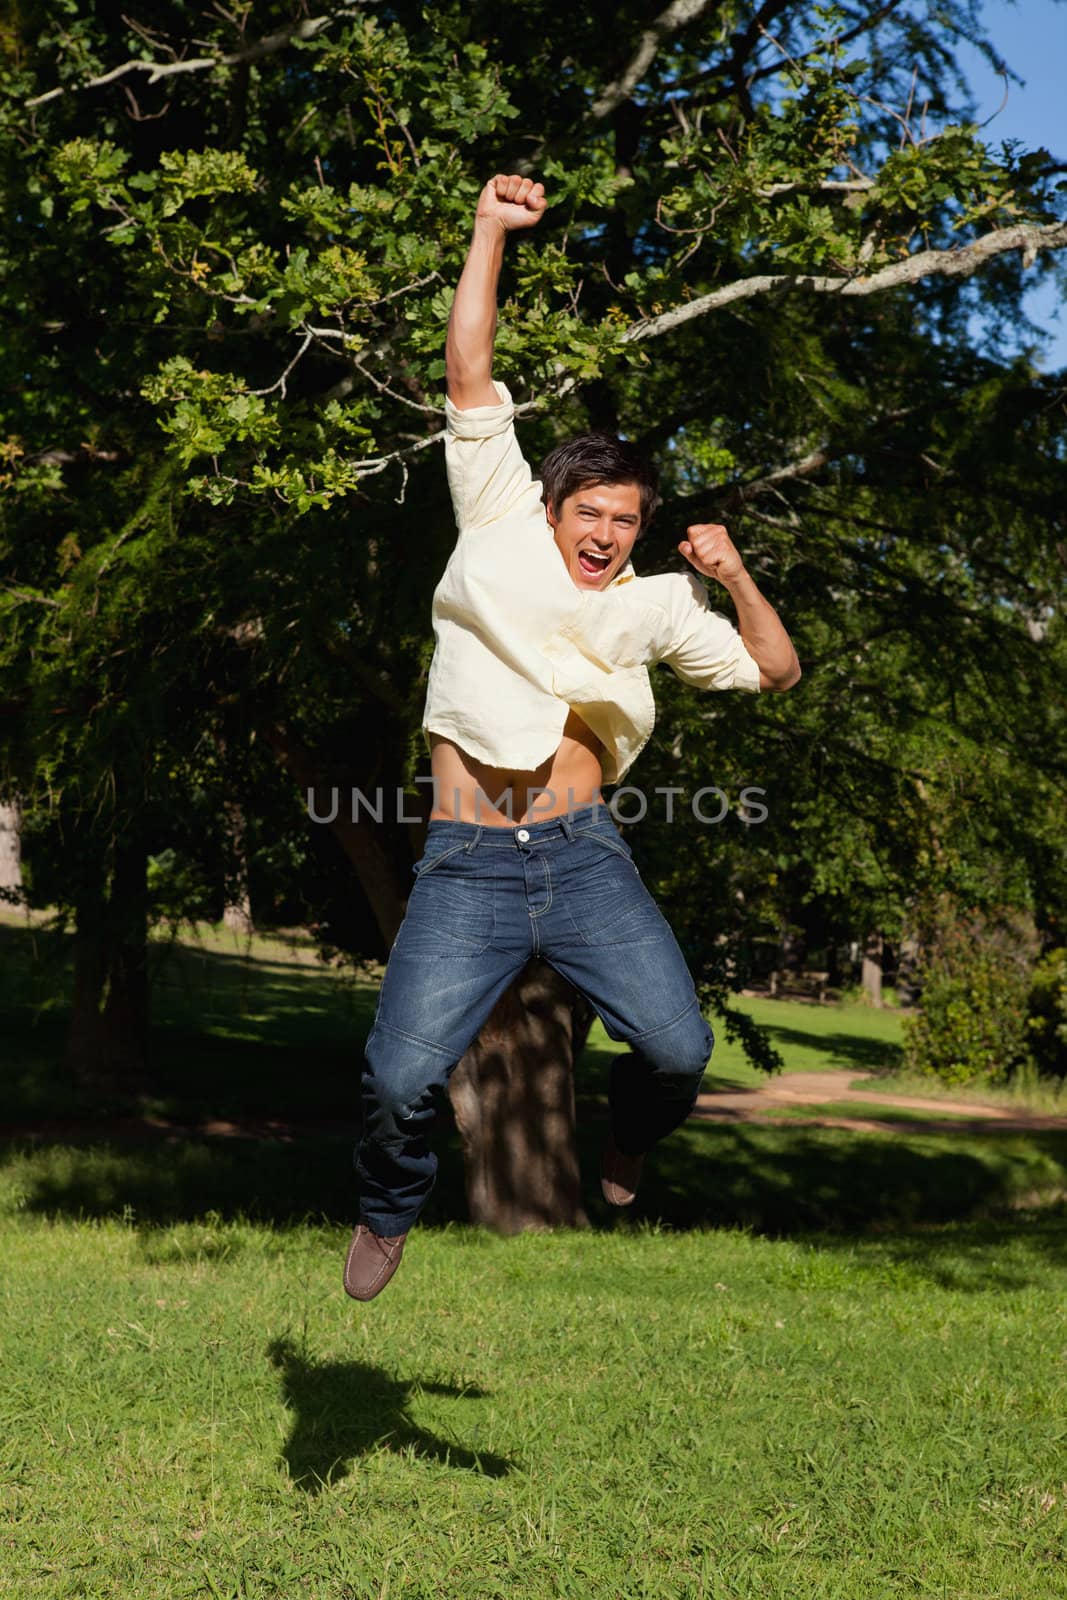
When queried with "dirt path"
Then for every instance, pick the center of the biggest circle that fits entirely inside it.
(791, 1091)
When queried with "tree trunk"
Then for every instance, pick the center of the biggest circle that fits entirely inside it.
(237, 912)
(10, 853)
(237, 915)
(107, 1037)
(513, 1098)
(907, 971)
(871, 975)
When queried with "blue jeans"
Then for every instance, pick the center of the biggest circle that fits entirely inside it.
(484, 902)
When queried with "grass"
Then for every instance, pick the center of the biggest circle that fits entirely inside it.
(857, 1108)
(811, 1038)
(265, 1030)
(1026, 1092)
(813, 1364)
(198, 1411)
(775, 1179)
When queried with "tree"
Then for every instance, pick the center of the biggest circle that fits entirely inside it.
(10, 851)
(229, 265)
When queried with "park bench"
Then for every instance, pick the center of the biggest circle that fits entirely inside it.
(798, 985)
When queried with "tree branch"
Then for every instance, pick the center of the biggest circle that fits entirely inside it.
(677, 14)
(820, 185)
(35, 599)
(1028, 237)
(57, 456)
(729, 496)
(726, 497)
(738, 493)
(303, 31)
(359, 840)
(279, 383)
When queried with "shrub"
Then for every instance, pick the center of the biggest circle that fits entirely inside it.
(177, 891)
(972, 1019)
(1046, 1023)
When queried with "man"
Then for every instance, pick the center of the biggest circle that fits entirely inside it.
(538, 694)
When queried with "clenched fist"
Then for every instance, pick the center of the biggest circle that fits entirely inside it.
(511, 202)
(711, 551)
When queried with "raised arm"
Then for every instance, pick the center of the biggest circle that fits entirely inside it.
(712, 552)
(506, 204)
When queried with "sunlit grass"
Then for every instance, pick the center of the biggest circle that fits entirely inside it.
(863, 1109)
(1027, 1092)
(810, 1362)
(199, 1410)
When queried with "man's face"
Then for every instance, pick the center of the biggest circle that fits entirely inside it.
(595, 529)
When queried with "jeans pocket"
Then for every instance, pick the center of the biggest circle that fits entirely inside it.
(619, 846)
(610, 904)
(450, 910)
(427, 864)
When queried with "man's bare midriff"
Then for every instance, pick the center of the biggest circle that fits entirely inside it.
(466, 790)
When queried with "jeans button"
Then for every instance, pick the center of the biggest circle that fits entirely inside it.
(522, 835)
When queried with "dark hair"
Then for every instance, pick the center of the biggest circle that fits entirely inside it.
(598, 458)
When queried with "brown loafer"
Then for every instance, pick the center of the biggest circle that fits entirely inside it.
(371, 1261)
(619, 1174)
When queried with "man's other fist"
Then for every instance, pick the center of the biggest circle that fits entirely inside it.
(710, 549)
(511, 202)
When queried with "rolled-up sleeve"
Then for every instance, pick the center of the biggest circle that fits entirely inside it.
(701, 646)
(487, 472)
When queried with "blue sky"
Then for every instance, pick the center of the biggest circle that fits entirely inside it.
(1032, 37)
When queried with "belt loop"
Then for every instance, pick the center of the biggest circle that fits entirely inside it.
(568, 829)
(473, 843)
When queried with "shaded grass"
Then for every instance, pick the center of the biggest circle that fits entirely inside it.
(198, 1411)
(281, 1038)
(777, 1180)
(275, 1033)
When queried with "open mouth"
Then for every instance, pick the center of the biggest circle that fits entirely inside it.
(593, 564)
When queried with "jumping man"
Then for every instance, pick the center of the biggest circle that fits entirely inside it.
(538, 694)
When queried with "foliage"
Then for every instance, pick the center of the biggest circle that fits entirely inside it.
(177, 891)
(224, 503)
(1047, 1014)
(975, 973)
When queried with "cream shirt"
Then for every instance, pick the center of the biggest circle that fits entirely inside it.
(519, 645)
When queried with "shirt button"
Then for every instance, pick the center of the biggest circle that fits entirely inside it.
(522, 835)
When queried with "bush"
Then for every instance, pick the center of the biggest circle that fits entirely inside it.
(1046, 1023)
(975, 973)
(177, 892)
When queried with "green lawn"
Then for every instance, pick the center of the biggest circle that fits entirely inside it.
(866, 1109)
(811, 1038)
(270, 1032)
(813, 1364)
(1027, 1092)
(198, 1411)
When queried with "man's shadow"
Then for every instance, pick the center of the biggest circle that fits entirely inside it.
(343, 1409)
